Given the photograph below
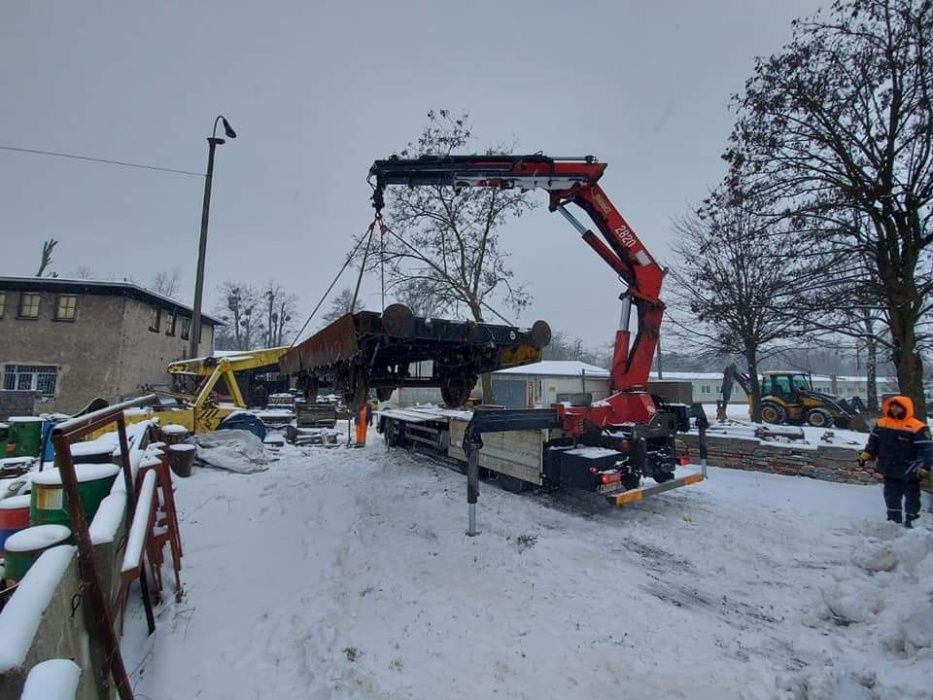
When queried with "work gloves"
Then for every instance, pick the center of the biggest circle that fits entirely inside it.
(864, 457)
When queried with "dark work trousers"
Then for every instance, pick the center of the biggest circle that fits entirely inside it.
(896, 490)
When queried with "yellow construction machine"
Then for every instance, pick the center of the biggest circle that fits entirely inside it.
(788, 397)
(203, 412)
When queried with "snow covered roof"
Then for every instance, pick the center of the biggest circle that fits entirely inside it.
(105, 287)
(557, 368)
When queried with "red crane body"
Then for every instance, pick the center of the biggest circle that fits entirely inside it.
(569, 181)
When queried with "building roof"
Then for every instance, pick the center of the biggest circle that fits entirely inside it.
(557, 368)
(131, 290)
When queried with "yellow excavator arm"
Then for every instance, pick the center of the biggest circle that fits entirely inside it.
(206, 414)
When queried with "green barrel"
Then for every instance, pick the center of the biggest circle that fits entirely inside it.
(23, 548)
(49, 504)
(25, 434)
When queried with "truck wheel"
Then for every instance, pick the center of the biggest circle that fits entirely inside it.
(773, 413)
(819, 418)
(510, 483)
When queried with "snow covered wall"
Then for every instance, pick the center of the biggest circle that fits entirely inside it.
(826, 462)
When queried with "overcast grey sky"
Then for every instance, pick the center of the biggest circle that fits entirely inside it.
(318, 90)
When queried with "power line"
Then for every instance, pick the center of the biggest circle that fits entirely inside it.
(124, 164)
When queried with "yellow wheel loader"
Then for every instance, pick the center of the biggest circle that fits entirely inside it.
(789, 398)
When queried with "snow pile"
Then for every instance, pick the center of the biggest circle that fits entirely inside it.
(882, 602)
(55, 679)
(137, 537)
(109, 517)
(19, 620)
(234, 450)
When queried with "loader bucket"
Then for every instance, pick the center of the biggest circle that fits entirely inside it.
(851, 421)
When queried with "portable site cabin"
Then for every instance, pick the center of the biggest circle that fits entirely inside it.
(551, 381)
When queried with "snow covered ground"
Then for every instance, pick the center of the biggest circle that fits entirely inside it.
(739, 425)
(342, 573)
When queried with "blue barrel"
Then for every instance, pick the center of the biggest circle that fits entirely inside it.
(48, 447)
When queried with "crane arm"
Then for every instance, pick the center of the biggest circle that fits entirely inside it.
(569, 180)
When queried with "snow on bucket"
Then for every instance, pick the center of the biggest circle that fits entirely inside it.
(14, 516)
(23, 548)
(92, 452)
(173, 434)
(49, 504)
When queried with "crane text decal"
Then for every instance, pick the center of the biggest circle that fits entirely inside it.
(626, 236)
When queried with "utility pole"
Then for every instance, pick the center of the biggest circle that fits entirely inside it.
(213, 141)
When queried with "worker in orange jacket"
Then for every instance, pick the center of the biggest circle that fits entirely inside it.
(903, 448)
(362, 424)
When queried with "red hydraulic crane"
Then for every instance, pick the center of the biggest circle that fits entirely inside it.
(576, 181)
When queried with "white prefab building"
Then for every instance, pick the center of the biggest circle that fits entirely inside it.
(707, 386)
(551, 381)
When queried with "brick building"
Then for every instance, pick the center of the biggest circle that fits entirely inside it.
(76, 340)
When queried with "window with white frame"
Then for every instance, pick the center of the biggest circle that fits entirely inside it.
(29, 305)
(42, 378)
(65, 307)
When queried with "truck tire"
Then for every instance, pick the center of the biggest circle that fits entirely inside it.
(773, 413)
(510, 483)
(819, 418)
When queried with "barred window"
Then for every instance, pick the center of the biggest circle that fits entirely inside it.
(29, 305)
(66, 307)
(31, 378)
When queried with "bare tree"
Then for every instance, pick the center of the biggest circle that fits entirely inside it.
(448, 247)
(239, 308)
(46, 260)
(280, 306)
(340, 305)
(84, 273)
(839, 124)
(731, 278)
(167, 283)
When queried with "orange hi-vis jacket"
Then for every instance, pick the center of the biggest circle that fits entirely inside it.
(901, 446)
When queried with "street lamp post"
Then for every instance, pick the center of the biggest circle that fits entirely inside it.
(213, 142)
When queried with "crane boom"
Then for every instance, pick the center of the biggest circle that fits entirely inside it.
(566, 180)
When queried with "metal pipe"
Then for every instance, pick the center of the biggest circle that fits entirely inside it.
(73, 424)
(625, 319)
(472, 485)
(574, 221)
(195, 329)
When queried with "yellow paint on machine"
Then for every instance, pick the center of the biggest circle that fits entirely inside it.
(632, 495)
